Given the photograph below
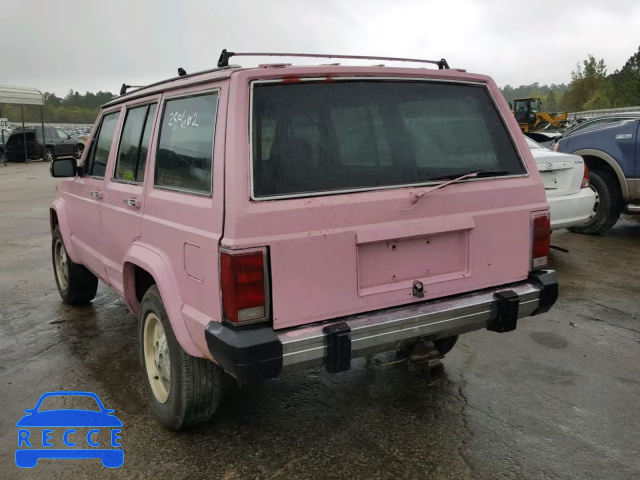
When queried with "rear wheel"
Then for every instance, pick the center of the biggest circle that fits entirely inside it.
(608, 206)
(182, 390)
(76, 284)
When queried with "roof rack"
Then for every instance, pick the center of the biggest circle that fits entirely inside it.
(223, 61)
(124, 88)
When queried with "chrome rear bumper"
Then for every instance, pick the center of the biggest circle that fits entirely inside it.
(262, 352)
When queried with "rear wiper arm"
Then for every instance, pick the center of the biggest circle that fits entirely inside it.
(478, 173)
(416, 197)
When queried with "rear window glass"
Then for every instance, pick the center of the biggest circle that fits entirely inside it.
(323, 137)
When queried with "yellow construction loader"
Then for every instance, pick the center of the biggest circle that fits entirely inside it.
(531, 116)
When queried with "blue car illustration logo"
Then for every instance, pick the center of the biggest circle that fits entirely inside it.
(34, 444)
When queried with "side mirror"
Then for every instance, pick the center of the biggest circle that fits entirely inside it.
(64, 167)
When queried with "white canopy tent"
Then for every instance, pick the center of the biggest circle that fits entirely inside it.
(21, 96)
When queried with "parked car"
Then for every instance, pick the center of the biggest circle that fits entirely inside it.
(263, 220)
(545, 139)
(610, 151)
(566, 182)
(57, 143)
(591, 123)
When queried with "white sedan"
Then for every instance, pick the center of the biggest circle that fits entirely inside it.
(566, 182)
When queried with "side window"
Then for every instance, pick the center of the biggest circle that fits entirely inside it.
(62, 135)
(185, 147)
(96, 163)
(134, 143)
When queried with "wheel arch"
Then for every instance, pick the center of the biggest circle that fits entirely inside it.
(599, 160)
(58, 218)
(143, 260)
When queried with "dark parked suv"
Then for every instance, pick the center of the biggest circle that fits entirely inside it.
(57, 143)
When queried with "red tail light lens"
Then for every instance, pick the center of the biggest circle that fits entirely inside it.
(35, 143)
(585, 178)
(541, 240)
(244, 287)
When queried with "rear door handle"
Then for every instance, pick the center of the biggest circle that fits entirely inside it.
(96, 194)
(131, 202)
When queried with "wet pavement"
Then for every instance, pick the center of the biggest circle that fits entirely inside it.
(559, 398)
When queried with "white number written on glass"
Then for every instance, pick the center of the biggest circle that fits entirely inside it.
(180, 119)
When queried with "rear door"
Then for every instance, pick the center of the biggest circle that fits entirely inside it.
(184, 197)
(345, 194)
(88, 193)
(123, 202)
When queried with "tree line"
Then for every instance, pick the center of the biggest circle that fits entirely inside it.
(591, 87)
(72, 108)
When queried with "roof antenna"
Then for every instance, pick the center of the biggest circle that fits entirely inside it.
(182, 72)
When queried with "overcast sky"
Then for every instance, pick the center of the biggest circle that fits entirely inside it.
(55, 45)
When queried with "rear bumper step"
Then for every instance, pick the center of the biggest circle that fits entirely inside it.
(260, 352)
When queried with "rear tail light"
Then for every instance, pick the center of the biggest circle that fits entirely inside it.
(585, 178)
(540, 239)
(245, 287)
(35, 143)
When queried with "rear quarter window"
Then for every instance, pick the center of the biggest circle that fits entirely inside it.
(184, 155)
(350, 135)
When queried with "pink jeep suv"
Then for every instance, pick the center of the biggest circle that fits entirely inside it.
(262, 220)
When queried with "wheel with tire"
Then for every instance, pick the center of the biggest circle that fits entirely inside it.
(183, 391)
(78, 151)
(608, 206)
(444, 345)
(49, 154)
(76, 284)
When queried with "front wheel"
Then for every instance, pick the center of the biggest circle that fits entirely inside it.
(608, 206)
(76, 284)
(182, 390)
(445, 345)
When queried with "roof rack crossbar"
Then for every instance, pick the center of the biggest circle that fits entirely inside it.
(223, 61)
(124, 88)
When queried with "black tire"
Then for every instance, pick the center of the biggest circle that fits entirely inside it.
(608, 207)
(80, 285)
(77, 151)
(49, 154)
(195, 385)
(444, 345)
